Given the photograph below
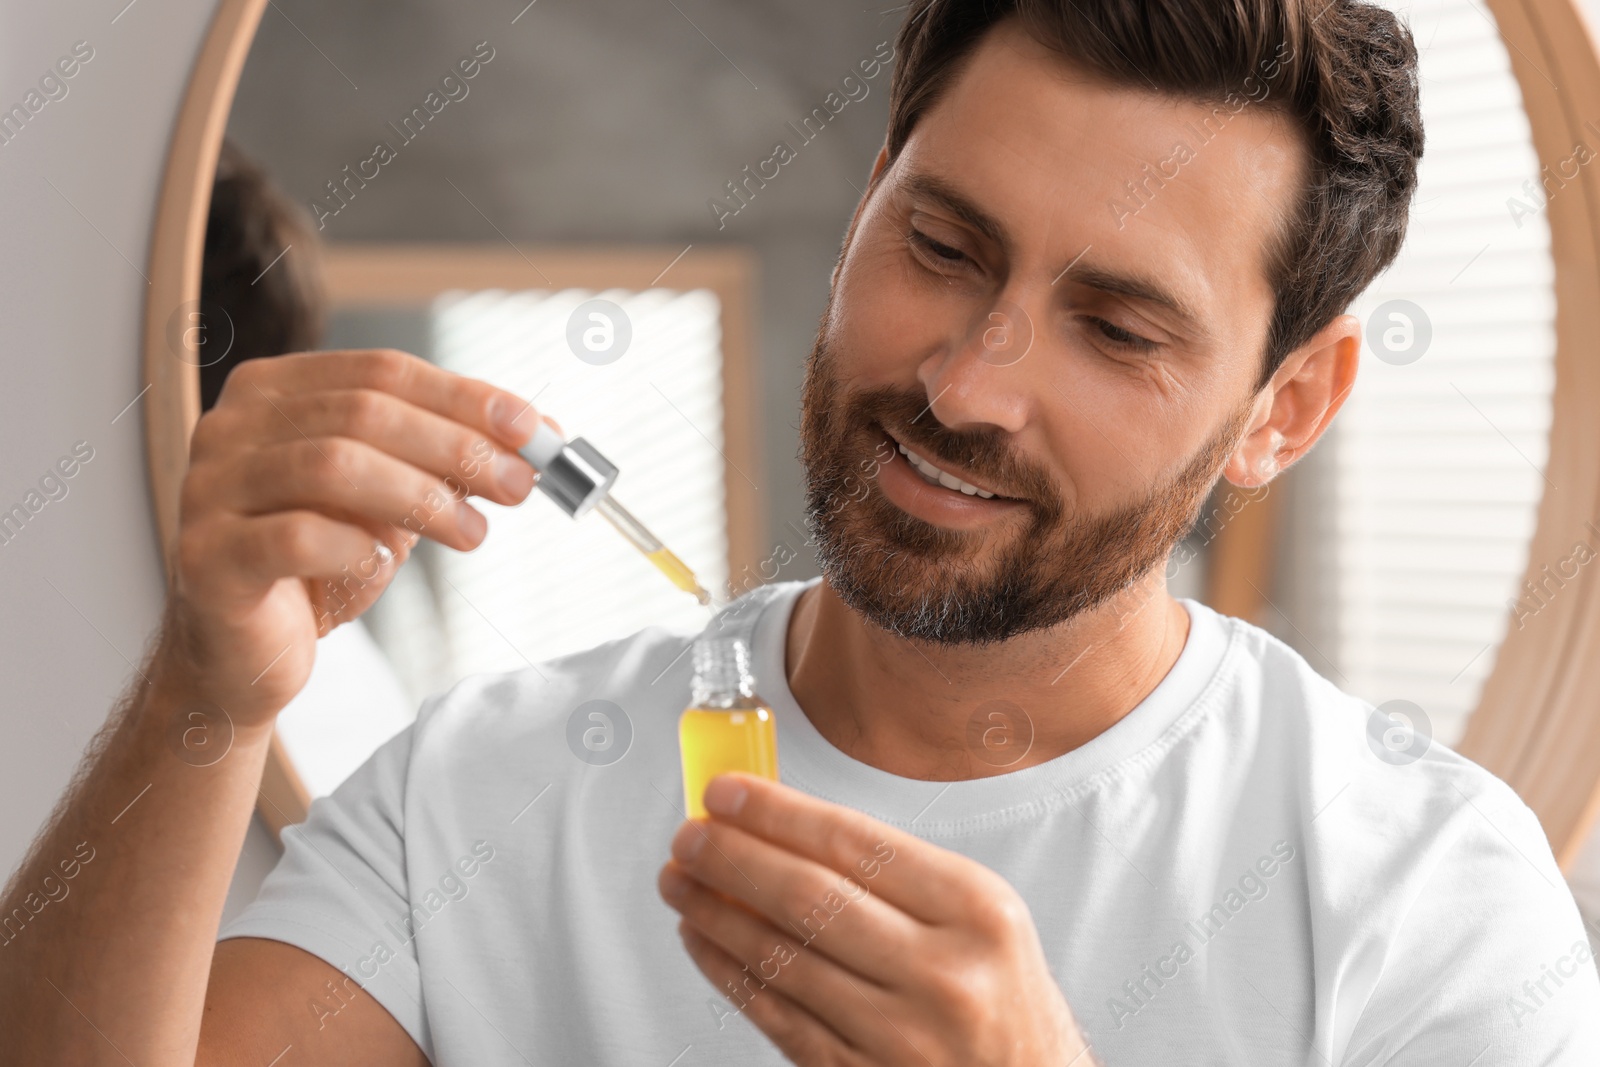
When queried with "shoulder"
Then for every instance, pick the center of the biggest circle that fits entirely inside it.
(1368, 783)
(1425, 874)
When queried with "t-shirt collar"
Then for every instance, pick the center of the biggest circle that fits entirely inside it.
(810, 762)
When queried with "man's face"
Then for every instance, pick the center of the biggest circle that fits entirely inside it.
(1008, 309)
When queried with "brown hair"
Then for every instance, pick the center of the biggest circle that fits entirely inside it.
(1344, 71)
(275, 307)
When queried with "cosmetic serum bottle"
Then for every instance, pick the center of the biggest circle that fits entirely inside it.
(727, 726)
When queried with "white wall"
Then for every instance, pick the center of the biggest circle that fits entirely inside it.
(81, 584)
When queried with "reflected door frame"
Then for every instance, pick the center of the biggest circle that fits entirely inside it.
(1537, 725)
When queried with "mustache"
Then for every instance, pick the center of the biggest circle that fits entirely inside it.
(985, 453)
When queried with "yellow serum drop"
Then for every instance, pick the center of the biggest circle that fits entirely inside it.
(727, 726)
(678, 573)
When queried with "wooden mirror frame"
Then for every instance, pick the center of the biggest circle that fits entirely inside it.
(1536, 726)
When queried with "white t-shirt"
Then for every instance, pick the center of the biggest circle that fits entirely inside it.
(1229, 875)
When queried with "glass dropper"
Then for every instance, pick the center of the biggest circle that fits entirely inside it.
(578, 478)
(666, 562)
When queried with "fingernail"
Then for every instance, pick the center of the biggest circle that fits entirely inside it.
(688, 843)
(513, 474)
(674, 884)
(506, 413)
(471, 522)
(725, 795)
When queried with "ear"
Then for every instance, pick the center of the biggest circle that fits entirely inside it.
(879, 165)
(1297, 405)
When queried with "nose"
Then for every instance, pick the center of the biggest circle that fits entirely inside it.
(977, 378)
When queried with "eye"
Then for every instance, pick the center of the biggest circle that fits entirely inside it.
(1123, 338)
(936, 255)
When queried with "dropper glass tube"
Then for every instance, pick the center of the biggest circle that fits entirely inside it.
(666, 561)
(578, 478)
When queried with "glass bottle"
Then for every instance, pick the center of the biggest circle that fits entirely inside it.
(727, 727)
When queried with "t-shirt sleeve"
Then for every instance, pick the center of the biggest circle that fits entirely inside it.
(1491, 966)
(340, 890)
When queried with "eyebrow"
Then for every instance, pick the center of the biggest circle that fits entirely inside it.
(928, 187)
(1136, 288)
(1117, 283)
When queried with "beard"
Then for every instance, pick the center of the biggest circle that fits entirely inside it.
(917, 580)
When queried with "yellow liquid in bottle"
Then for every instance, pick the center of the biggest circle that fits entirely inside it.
(678, 573)
(716, 740)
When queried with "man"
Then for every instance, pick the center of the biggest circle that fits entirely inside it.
(1034, 811)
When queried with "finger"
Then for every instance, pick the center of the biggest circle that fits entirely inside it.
(927, 882)
(428, 441)
(337, 600)
(465, 400)
(801, 1037)
(352, 481)
(836, 914)
(784, 963)
(287, 544)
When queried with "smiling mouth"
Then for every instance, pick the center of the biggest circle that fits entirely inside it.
(933, 474)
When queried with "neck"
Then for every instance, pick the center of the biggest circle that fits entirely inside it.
(908, 707)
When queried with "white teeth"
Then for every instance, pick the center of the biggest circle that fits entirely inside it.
(938, 477)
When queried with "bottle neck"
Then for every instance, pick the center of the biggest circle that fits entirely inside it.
(722, 674)
(751, 703)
